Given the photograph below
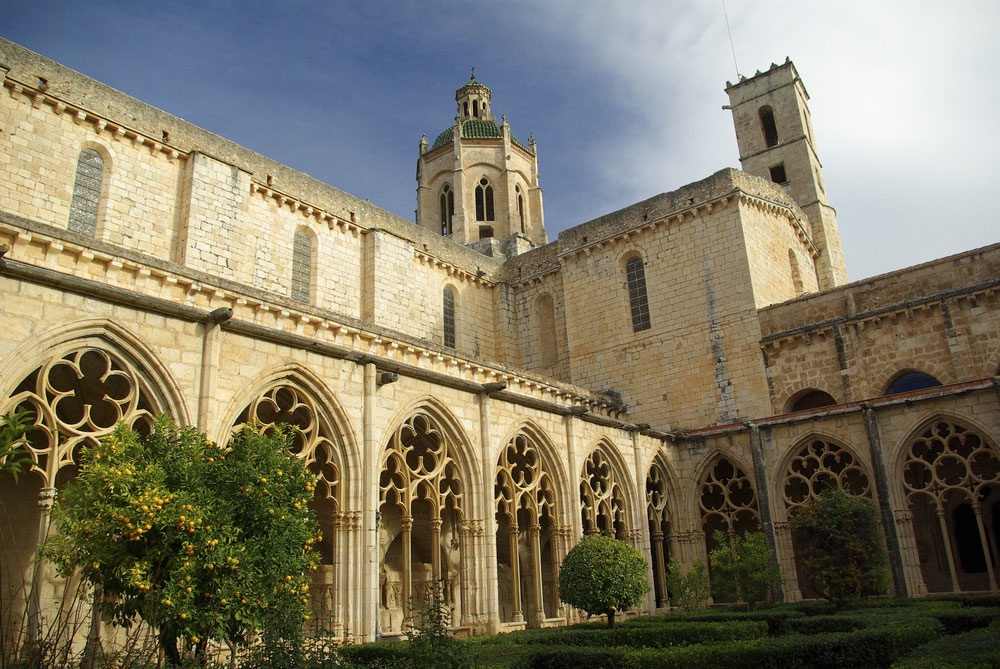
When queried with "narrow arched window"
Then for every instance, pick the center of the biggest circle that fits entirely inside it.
(449, 317)
(301, 266)
(484, 201)
(793, 265)
(520, 208)
(447, 209)
(86, 193)
(636, 279)
(766, 115)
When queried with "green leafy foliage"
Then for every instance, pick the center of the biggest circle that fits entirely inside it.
(742, 565)
(429, 634)
(840, 546)
(13, 459)
(689, 589)
(200, 541)
(603, 575)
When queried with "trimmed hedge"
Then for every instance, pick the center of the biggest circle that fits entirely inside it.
(860, 649)
(966, 619)
(978, 649)
(663, 635)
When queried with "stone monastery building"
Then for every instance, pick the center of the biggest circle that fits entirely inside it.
(473, 396)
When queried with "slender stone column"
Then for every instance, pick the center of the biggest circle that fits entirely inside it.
(946, 540)
(764, 499)
(884, 504)
(515, 574)
(659, 584)
(406, 523)
(534, 533)
(977, 507)
(46, 498)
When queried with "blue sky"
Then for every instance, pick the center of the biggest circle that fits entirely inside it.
(624, 99)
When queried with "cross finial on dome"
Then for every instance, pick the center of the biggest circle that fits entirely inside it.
(473, 74)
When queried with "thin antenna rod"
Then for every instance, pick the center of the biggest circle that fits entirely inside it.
(731, 44)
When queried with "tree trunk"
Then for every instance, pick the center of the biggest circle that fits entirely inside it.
(611, 618)
(168, 642)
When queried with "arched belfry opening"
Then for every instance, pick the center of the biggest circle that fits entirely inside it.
(420, 513)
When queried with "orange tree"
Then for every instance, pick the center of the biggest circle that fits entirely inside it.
(603, 575)
(200, 541)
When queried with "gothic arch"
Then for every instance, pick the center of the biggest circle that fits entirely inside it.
(661, 516)
(426, 487)
(78, 382)
(812, 465)
(530, 534)
(817, 462)
(316, 389)
(606, 499)
(949, 476)
(727, 499)
(320, 437)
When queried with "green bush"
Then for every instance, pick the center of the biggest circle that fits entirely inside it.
(662, 635)
(841, 548)
(978, 649)
(602, 575)
(742, 566)
(689, 589)
(569, 657)
(966, 619)
(380, 654)
(864, 648)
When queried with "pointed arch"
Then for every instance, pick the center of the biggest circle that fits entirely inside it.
(950, 478)
(77, 382)
(529, 531)
(424, 495)
(293, 396)
(661, 507)
(814, 464)
(605, 502)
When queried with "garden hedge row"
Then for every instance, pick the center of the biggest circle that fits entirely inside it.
(859, 649)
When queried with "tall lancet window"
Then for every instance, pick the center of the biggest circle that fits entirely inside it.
(302, 252)
(449, 317)
(635, 276)
(86, 193)
(484, 201)
(447, 209)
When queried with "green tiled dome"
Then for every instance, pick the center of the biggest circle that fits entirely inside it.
(473, 128)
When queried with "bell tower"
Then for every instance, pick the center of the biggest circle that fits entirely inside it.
(775, 138)
(477, 181)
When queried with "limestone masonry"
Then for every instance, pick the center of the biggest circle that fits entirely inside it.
(694, 362)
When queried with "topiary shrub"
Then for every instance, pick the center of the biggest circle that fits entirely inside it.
(602, 575)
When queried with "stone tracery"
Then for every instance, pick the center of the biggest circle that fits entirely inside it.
(603, 502)
(951, 480)
(420, 507)
(526, 533)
